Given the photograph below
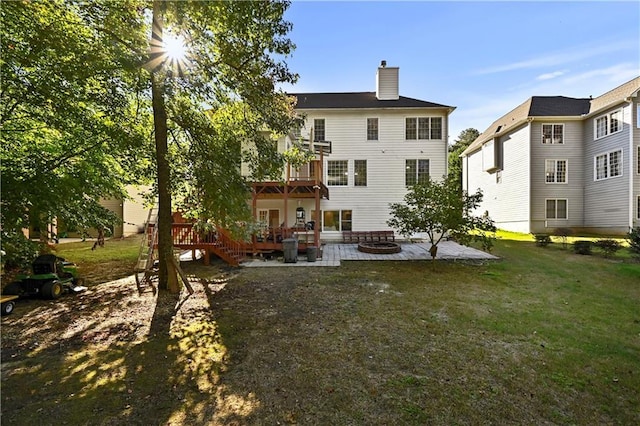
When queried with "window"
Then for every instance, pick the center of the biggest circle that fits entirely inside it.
(552, 133)
(416, 171)
(360, 172)
(372, 129)
(336, 220)
(337, 173)
(423, 128)
(556, 171)
(608, 165)
(318, 129)
(608, 124)
(556, 209)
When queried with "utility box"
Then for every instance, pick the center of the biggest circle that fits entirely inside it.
(290, 248)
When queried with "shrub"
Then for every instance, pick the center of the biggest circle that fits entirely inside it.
(563, 233)
(609, 247)
(542, 240)
(19, 251)
(634, 240)
(582, 247)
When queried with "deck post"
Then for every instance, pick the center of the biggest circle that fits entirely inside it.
(206, 257)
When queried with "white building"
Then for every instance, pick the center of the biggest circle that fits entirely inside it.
(558, 162)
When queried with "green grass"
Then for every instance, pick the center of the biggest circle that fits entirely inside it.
(125, 249)
(542, 336)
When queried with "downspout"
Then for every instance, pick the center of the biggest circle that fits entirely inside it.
(631, 171)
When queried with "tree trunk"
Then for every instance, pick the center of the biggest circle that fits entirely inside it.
(167, 277)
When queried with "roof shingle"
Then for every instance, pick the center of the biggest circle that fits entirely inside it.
(358, 100)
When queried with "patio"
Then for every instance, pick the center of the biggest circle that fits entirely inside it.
(333, 254)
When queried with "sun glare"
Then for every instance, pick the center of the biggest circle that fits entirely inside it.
(175, 48)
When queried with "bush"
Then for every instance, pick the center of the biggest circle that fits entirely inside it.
(582, 247)
(542, 240)
(609, 247)
(19, 251)
(634, 240)
(563, 233)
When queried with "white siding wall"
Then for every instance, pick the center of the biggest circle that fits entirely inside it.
(507, 202)
(607, 201)
(134, 211)
(571, 151)
(385, 161)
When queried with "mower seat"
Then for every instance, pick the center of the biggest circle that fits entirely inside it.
(45, 264)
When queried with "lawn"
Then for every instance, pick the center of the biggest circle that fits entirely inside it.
(541, 336)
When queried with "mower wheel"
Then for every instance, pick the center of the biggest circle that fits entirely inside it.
(7, 307)
(14, 288)
(52, 290)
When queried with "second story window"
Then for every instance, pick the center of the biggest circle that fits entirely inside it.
(608, 124)
(318, 130)
(552, 133)
(423, 128)
(608, 165)
(359, 172)
(416, 171)
(372, 129)
(337, 173)
(556, 171)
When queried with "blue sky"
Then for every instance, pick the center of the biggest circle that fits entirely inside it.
(484, 58)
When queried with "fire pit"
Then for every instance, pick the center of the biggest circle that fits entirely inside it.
(379, 247)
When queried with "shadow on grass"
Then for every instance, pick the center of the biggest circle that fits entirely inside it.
(111, 356)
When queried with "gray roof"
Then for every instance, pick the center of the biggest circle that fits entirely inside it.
(358, 100)
(555, 106)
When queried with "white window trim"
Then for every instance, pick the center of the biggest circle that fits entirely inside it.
(321, 221)
(566, 200)
(418, 117)
(326, 177)
(566, 171)
(366, 129)
(607, 153)
(552, 142)
(608, 129)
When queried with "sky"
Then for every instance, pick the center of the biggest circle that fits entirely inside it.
(484, 58)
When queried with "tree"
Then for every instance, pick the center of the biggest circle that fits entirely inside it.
(437, 209)
(465, 139)
(234, 54)
(70, 133)
(82, 79)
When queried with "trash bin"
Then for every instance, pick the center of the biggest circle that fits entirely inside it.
(312, 254)
(290, 248)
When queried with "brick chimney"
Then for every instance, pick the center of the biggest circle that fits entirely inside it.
(387, 83)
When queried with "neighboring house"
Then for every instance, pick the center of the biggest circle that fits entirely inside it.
(371, 147)
(132, 211)
(558, 162)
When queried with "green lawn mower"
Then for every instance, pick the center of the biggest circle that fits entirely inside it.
(52, 276)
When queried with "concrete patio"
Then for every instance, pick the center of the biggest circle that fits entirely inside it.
(333, 254)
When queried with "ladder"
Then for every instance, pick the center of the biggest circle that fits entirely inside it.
(147, 255)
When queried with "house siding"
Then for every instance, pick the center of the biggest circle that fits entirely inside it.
(571, 151)
(507, 201)
(347, 131)
(606, 201)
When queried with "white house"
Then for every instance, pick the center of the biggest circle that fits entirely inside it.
(373, 146)
(558, 162)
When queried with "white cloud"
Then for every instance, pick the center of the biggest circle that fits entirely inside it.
(550, 75)
(558, 58)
